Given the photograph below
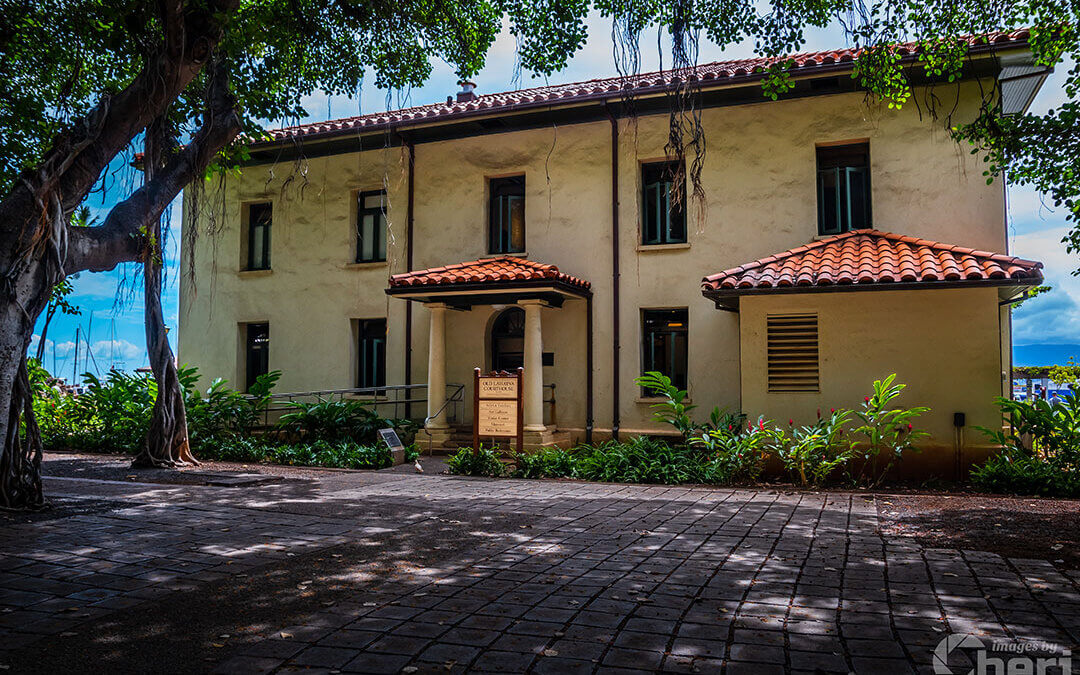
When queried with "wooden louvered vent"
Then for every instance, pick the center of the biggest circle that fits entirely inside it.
(792, 343)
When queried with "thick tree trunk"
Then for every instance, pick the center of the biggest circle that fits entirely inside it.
(26, 296)
(37, 247)
(166, 442)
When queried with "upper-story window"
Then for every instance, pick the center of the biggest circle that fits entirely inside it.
(260, 217)
(663, 198)
(506, 215)
(371, 227)
(843, 185)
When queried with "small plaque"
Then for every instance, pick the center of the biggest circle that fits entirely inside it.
(498, 387)
(390, 437)
(498, 418)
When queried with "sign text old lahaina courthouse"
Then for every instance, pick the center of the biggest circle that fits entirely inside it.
(497, 406)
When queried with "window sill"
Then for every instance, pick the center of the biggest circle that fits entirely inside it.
(365, 265)
(651, 400)
(658, 248)
(254, 273)
(523, 254)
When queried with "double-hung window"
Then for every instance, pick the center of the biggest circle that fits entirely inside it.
(257, 348)
(843, 186)
(664, 344)
(663, 201)
(506, 215)
(260, 217)
(371, 227)
(371, 353)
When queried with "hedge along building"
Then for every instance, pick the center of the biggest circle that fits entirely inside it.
(537, 228)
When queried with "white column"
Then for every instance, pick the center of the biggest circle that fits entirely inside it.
(436, 379)
(534, 366)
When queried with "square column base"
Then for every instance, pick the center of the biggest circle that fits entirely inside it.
(550, 436)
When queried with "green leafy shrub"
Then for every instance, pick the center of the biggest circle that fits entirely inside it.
(1040, 449)
(221, 414)
(1027, 475)
(110, 416)
(481, 462)
(882, 434)
(544, 463)
(639, 460)
(350, 420)
(320, 453)
(811, 453)
(735, 452)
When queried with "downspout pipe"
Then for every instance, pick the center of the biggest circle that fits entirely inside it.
(411, 149)
(614, 274)
(589, 369)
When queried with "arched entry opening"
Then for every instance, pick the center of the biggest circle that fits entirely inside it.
(508, 340)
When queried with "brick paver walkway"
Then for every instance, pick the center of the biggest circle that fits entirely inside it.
(446, 574)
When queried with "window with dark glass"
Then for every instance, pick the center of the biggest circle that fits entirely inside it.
(506, 215)
(663, 348)
(843, 186)
(371, 227)
(371, 353)
(258, 351)
(259, 221)
(663, 198)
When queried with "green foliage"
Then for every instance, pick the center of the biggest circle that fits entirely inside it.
(221, 414)
(882, 434)
(812, 453)
(349, 420)
(544, 463)
(110, 416)
(345, 455)
(1047, 432)
(1067, 374)
(673, 409)
(113, 414)
(480, 462)
(639, 460)
(735, 452)
(1027, 475)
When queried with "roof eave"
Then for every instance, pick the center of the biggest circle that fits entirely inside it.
(728, 298)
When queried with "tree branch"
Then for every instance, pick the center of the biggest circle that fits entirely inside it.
(79, 154)
(122, 237)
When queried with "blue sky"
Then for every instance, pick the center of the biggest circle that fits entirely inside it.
(111, 320)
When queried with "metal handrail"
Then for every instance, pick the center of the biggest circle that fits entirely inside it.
(377, 397)
(459, 391)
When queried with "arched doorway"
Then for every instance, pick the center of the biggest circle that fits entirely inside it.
(508, 340)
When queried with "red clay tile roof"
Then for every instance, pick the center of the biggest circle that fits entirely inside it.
(871, 257)
(487, 270)
(717, 73)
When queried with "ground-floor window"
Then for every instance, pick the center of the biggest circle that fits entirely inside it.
(371, 353)
(257, 341)
(663, 344)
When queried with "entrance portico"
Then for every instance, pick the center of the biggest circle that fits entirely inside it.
(505, 281)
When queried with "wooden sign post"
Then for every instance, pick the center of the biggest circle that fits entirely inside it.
(498, 407)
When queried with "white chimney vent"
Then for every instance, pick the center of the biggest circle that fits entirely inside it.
(467, 92)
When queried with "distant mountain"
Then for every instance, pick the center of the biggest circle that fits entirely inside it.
(1045, 355)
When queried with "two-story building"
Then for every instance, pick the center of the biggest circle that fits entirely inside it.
(839, 241)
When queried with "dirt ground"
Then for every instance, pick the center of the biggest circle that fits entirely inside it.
(1017, 527)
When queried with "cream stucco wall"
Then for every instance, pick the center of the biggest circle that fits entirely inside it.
(944, 345)
(759, 177)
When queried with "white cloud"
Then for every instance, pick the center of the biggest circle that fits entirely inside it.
(1055, 317)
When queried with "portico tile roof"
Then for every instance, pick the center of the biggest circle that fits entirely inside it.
(718, 73)
(502, 269)
(869, 257)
